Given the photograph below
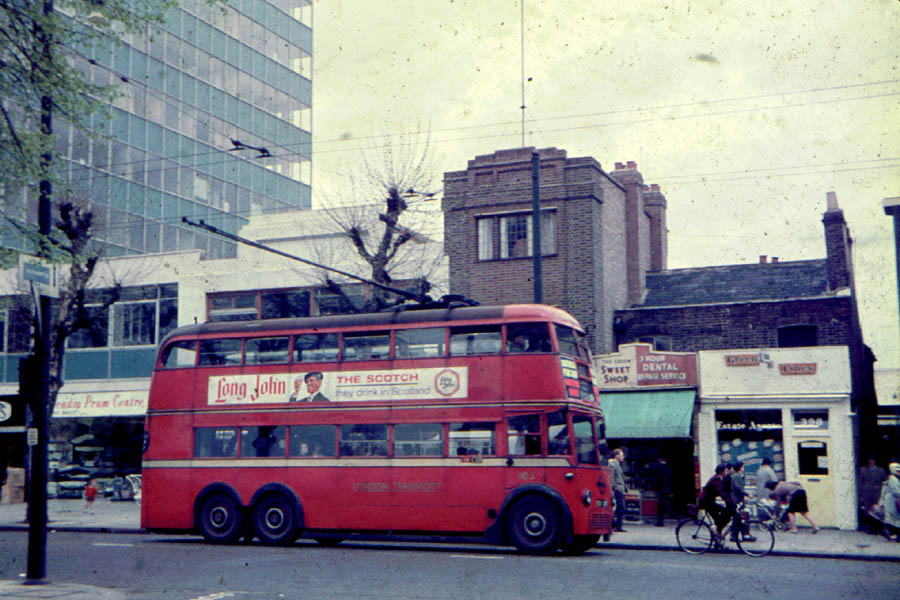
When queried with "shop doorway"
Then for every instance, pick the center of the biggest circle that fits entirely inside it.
(640, 453)
(814, 473)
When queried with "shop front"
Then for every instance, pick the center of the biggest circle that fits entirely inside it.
(791, 406)
(648, 400)
(94, 435)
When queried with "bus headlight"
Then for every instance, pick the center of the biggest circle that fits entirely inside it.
(586, 497)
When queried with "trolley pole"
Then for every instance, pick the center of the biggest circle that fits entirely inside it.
(536, 225)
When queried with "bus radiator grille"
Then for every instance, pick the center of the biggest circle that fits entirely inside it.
(600, 521)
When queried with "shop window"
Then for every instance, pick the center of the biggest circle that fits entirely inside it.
(478, 339)
(367, 346)
(524, 435)
(267, 350)
(313, 440)
(364, 440)
(797, 336)
(420, 343)
(19, 334)
(92, 330)
(215, 442)
(527, 337)
(419, 439)
(750, 436)
(315, 347)
(812, 458)
(260, 442)
(471, 439)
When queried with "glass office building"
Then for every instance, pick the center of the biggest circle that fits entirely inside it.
(213, 123)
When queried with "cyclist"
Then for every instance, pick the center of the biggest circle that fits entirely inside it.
(738, 495)
(707, 501)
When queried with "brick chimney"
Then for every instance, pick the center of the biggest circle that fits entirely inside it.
(630, 178)
(838, 245)
(655, 206)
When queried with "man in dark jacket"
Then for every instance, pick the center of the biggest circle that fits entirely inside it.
(661, 480)
(712, 490)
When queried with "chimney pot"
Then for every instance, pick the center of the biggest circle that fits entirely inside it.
(619, 166)
(631, 164)
(654, 187)
(762, 259)
(831, 198)
(774, 259)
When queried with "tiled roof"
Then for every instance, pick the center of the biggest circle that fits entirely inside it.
(736, 283)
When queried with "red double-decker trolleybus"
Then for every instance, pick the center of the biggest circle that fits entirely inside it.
(471, 421)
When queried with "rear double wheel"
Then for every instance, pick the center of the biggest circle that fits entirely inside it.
(274, 520)
(534, 525)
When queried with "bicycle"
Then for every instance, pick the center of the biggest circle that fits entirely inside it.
(696, 535)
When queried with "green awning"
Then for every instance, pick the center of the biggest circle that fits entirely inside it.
(657, 414)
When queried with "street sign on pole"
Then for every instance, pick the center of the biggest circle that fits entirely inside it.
(39, 275)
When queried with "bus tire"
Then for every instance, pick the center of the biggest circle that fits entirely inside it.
(534, 525)
(579, 545)
(274, 520)
(220, 519)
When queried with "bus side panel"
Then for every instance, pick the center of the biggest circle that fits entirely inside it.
(167, 499)
(172, 388)
(528, 377)
(168, 437)
(361, 498)
(445, 498)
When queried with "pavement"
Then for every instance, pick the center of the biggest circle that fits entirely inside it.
(125, 517)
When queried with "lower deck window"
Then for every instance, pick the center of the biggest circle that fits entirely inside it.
(215, 442)
(364, 440)
(263, 441)
(419, 439)
(313, 440)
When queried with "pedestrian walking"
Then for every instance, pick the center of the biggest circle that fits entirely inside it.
(871, 478)
(890, 502)
(618, 487)
(764, 475)
(792, 494)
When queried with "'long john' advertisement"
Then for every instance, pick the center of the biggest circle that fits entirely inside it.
(339, 386)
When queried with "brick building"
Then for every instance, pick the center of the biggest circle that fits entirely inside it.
(600, 233)
(771, 304)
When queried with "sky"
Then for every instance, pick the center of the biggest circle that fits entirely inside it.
(745, 114)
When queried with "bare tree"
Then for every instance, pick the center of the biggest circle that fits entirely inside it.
(379, 212)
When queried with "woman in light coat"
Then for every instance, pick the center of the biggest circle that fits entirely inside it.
(890, 493)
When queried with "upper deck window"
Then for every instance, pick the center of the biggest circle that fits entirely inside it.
(315, 347)
(527, 337)
(367, 346)
(420, 343)
(571, 342)
(475, 339)
(181, 353)
(267, 350)
(220, 352)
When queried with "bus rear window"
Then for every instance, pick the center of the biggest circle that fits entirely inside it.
(182, 353)
(478, 339)
(220, 352)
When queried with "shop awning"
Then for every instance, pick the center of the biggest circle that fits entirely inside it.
(656, 414)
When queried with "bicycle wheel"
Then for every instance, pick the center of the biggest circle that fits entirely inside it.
(694, 536)
(757, 540)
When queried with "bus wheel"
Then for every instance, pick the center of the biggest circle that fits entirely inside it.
(221, 521)
(533, 525)
(274, 521)
(580, 545)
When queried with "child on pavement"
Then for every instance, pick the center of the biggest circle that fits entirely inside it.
(90, 494)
